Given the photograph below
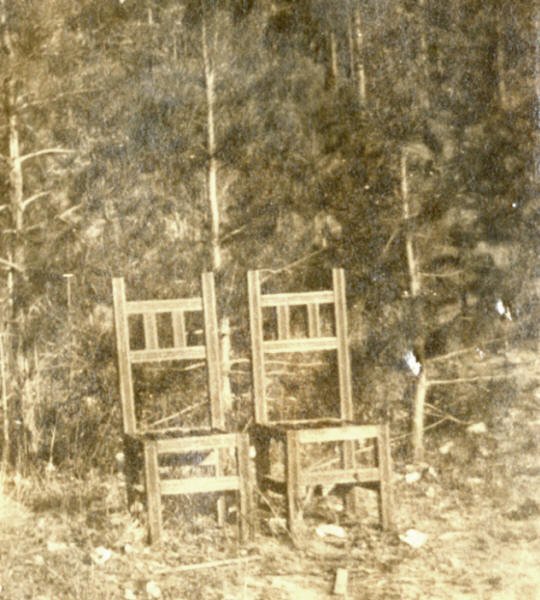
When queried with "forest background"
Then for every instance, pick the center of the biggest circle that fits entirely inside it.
(155, 140)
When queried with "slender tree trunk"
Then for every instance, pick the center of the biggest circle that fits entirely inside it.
(16, 247)
(350, 43)
(214, 207)
(500, 66)
(359, 53)
(415, 288)
(334, 65)
(6, 441)
(423, 93)
(414, 277)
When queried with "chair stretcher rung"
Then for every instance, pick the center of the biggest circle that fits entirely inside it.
(135, 307)
(337, 434)
(298, 298)
(159, 354)
(199, 485)
(192, 444)
(339, 476)
(300, 345)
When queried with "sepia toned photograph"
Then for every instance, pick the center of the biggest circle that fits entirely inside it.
(269, 300)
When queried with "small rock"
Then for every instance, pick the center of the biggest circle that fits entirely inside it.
(413, 477)
(153, 590)
(477, 428)
(129, 594)
(413, 538)
(57, 546)
(100, 555)
(39, 560)
(446, 448)
(331, 530)
(430, 492)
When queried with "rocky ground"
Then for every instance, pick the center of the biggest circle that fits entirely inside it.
(468, 527)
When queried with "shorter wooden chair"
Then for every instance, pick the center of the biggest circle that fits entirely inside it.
(181, 442)
(293, 435)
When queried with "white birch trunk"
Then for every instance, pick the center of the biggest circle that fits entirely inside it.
(334, 57)
(6, 441)
(214, 208)
(359, 52)
(415, 283)
(500, 62)
(424, 65)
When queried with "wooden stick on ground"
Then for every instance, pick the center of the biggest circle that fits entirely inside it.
(227, 562)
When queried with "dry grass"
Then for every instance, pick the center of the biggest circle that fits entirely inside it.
(64, 538)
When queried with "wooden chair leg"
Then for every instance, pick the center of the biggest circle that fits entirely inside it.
(132, 469)
(386, 510)
(348, 461)
(292, 470)
(246, 521)
(221, 459)
(262, 460)
(153, 492)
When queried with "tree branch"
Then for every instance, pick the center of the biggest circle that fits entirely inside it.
(463, 350)
(44, 152)
(26, 203)
(469, 379)
(291, 265)
(11, 265)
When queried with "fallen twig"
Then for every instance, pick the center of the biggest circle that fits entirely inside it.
(227, 562)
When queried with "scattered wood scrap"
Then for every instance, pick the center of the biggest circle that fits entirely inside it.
(227, 562)
(341, 582)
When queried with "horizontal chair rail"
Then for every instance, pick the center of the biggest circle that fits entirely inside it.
(160, 354)
(339, 476)
(135, 307)
(337, 434)
(300, 345)
(295, 299)
(199, 485)
(190, 444)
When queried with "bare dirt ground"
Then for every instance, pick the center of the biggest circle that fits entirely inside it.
(478, 506)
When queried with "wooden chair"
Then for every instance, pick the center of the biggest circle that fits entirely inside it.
(178, 442)
(293, 434)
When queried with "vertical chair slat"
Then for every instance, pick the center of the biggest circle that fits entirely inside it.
(314, 320)
(150, 331)
(179, 328)
(283, 321)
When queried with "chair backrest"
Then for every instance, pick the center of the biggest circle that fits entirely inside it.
(313, 343)
(153, 352)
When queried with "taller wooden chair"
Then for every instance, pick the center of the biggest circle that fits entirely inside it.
(181, 443)
(293, 434)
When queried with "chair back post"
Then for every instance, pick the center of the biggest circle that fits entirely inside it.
(124, 365)
(343, 356)
(213, 354)
(257, 352)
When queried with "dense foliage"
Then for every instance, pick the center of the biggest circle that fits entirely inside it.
(316, 108)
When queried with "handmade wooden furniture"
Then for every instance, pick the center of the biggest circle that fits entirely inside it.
(294, 434)
(179, 442)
